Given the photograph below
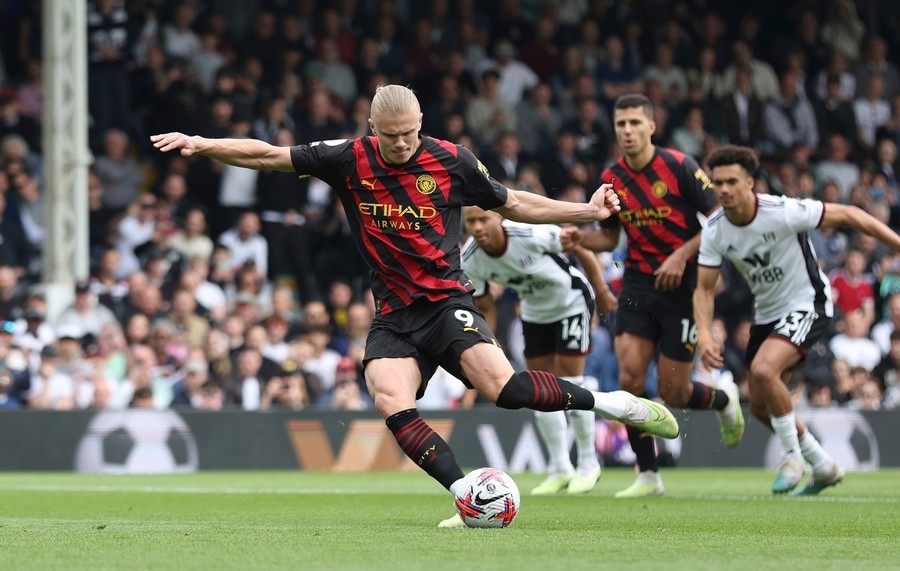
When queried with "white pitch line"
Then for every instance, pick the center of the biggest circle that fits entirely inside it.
(357, 491)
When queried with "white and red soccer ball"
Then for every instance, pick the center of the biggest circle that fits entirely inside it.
(489, 498)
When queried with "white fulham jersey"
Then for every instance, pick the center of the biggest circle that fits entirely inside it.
(774, 255)
(549, 287)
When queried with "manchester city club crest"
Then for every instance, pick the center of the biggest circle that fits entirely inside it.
(659, 189)
(426, 184)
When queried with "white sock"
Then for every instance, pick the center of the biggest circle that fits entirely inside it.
(552, 427)
(814, 453)
(584, 425)
(786, 429)
(611, 405)
(457, 486)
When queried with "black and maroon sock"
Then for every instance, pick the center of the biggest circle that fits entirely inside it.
(539, 390)
(644, 449)
(705, 397)
(424, 446)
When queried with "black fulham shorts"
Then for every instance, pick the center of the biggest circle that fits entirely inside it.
(433, 332)
(799, 328)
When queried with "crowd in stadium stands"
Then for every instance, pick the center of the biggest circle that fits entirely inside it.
(217, 287)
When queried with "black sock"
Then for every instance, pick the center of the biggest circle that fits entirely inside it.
(644, 449)
(424, 446)
(542, 391)
(704, 397)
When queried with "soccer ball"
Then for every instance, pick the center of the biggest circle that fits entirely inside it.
(137, 442)
(489, 498)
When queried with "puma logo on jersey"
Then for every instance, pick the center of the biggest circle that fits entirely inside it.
(368, 183)
(472, 329)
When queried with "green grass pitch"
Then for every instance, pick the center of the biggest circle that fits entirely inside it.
(708, 519)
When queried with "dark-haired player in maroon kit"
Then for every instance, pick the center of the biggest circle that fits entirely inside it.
(403, 195)
(662, 191)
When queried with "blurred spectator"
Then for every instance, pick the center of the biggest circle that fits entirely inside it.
(592, 130)
(207, 60)
(809, 41)
(504, 162)
(285, 392)
(882, 332)
(852, 345)
(136, 228)
(15, 250)
(183, 315)
(671, 78)
(617, 76)
(853, 287)
(187, 391)
(237, 188)
(191, 241)
(488, 115)
(876, 62)
(556, 166)
(837, 167)
(109, 94)
(762, 76)
(244, 387)
(867, 397)
(211, 299)
(178, 39)
(540, 52)
(212, 397)
(276, 348)
(120, 175)
(337, 75)
(86, 313)
(173, 199)
(742, 111)
(515, 77)
(106, 283)
(834, 114)
(246, 244)
(51, 389)
(843, 30)
(819, 395)
(312, 354)
(347, 394)
(836, 72)
(537, 121)
(789, 120)
(142, 397)
(871, 111)
(689, 137)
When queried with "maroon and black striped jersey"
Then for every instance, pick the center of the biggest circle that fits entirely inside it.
(406, 219)
(659, 206)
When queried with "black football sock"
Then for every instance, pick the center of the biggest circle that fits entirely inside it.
(705, 397)
(539, 390)
(424, 446)
(644, 449)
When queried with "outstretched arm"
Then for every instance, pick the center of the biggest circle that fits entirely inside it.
(523, 206)
(704, 304)
(837, 215)
(247, 153)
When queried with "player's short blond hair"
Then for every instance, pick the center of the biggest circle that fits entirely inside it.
(393, 100)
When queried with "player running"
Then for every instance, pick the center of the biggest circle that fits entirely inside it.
(557, 303)
(662, 192)
(765, 237)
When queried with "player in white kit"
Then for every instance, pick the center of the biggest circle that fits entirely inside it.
(557, 303)
(765, 237)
